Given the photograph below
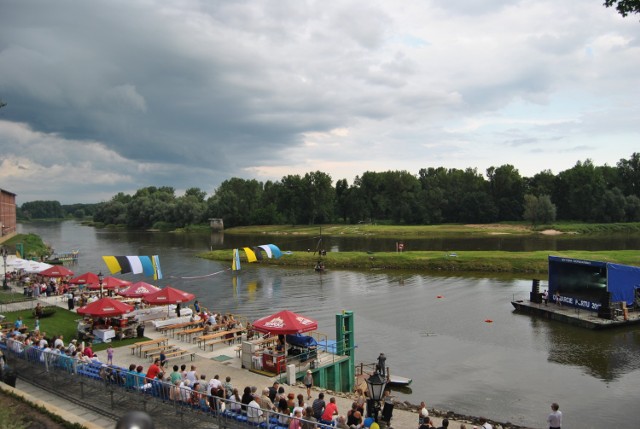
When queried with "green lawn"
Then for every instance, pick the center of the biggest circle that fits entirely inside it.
(7, 297)
(463, 261)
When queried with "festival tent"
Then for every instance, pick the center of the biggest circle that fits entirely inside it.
(285, 322)
(138, 290)
(36, 267)
(168, 295)
(85, 279)
(110, 283)
(105, 307)
(56, 271)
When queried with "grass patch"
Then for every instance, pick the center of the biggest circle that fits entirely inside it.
(435, 231)
(464, 261)
(8, 297)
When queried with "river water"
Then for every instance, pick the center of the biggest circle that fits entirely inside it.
(432, 328)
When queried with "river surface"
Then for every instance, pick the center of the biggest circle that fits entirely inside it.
(432, 328)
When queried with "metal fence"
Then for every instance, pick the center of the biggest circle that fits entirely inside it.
(113, 391)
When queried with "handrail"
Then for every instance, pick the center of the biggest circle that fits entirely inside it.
(113, 390)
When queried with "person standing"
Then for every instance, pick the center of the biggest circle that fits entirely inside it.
(555, 418)
(308, 382)
(381, 365)
(110, 355)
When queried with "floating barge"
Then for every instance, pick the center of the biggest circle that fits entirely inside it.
(575, 316)
(589, 294)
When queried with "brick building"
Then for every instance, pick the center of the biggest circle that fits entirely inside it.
(7, 213)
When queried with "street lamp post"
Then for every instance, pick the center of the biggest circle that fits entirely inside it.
(100, 278)
(375, 385)
(4, 252)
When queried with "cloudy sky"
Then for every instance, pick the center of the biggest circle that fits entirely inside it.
(112, 96)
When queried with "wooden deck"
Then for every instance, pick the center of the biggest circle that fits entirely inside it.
(574, 316)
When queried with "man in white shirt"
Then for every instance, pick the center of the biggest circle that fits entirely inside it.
(214, 384)
(555, 418)
(254, 413)
(59, 342)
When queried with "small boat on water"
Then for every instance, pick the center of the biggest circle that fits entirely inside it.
(396, 380)
(61, 258)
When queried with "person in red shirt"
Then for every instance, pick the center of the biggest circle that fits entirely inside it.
(330, 410)
(154, 370)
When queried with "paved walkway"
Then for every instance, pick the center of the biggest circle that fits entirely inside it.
(205, 364)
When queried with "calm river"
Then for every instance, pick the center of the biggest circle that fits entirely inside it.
(508, 370)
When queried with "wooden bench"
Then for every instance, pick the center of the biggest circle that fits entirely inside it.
(145, 352)
(180, 353)
(153, 354)
(137, 347)
(221, 337)
(189, 332)
(172, 328)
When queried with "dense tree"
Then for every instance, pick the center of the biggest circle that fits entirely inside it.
(632, 208)
(318, 198)
(538, 210)
(507, 189)
(236, 201)
(624, 7)
(630, 174)
(436, 195)
(542, 183)
(42, 210)
(578, 192)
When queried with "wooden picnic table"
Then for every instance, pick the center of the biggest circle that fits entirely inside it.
(137, 347)
(172, 328)
(145, 351)
(180, 353)
(154, 353)
(219, 337)
(189, 332)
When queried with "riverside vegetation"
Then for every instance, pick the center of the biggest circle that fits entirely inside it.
(463, 261)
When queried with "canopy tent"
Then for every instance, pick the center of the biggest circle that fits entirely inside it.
(168, 295)
(110, 283)
(105, 307)
(36, 267)
(56, 271)
(85, 279)
(138, 290)
(285, 322)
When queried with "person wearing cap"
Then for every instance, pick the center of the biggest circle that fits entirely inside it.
(308, 382)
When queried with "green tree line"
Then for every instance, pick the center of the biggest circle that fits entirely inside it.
(584, 192)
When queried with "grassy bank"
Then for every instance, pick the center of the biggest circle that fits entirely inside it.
(466, 261)
(435, 231)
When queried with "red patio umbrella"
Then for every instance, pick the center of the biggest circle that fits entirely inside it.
(110, 283)
(56, 271)
(138, 290)
(285, 322)
(168, 295)
(85, 279)
(105, 307)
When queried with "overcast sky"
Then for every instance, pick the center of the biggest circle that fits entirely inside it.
(112, 96)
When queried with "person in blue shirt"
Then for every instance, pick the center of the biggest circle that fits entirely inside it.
(18, 324)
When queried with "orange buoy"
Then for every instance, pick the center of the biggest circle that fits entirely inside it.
(489, 321)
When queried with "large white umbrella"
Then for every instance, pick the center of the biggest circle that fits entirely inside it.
(36, 267)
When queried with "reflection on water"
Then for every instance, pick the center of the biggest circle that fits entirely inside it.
(432, 328)
(603, 355)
